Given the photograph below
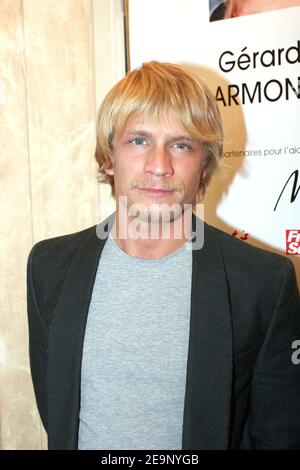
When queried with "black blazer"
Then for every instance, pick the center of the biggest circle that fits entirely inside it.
(242, 388)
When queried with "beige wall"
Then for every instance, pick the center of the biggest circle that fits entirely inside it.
(57, 59)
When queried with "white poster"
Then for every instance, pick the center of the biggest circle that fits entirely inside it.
(249, 55)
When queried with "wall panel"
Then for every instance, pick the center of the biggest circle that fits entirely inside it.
(55, 57)
(59, 72)
(19, 422)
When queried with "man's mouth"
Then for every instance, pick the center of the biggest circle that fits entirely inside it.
(156, 192)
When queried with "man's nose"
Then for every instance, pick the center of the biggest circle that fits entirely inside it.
(159, 162)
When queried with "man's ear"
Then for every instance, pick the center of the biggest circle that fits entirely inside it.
(109, 171)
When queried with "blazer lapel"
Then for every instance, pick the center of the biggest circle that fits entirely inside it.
(209, 368)
(65, 347)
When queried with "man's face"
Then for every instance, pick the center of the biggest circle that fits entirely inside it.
(157, 166)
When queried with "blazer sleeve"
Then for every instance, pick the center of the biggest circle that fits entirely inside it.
(275, 387)
(38, 340)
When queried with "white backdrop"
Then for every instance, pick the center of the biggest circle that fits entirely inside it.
(262, 138)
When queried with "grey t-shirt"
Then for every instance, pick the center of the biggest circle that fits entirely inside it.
(135, 352)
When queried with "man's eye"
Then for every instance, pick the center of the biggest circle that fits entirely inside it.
(138, 141)
(182, 146)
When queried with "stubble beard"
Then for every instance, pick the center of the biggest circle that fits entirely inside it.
(156, 212)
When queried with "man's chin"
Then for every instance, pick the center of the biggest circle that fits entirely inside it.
(156, 213)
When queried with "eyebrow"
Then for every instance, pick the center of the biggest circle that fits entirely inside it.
(144, 133)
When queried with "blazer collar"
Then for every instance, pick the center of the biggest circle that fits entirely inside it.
(209, 366)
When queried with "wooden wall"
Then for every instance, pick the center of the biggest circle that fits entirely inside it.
(57, 60)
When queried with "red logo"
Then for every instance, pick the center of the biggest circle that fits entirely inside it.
(292, 242)
(244, 236)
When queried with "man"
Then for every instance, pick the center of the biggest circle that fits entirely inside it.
(142, 338)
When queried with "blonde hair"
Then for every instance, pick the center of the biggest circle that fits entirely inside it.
(154, 89)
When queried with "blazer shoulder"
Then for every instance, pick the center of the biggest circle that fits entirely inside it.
(57, 250)
(61, 243)
(48, 264)
(242, 258)
(64, 246)
(258, 280)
